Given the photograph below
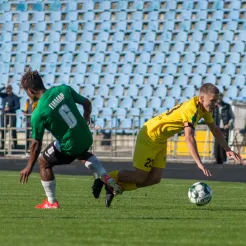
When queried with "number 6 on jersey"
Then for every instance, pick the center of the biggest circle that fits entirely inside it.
(67, 116)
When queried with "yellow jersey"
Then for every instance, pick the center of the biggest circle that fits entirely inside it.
(167, 124)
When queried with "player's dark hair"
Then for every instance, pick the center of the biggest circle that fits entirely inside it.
(32, 80)
(209, 88)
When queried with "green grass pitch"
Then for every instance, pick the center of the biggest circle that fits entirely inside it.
(158, 215)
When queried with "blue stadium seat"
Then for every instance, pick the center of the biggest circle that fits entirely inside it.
(156, 69)
(193, 46)
(121, 15)
(178, 46)
(52, 37)
(71, 6)
(210, 79)
(126, 102)
(19, 68)
(171, 5)
(216, 25)
(159, 57)
(224, 46)
(138, 79)
(121, 25)
(166, 36)
(217, 15)
(141, 68)
(24, 26)
(147, 113)
(137, 25)
(7, 47)
(111, 68)
(182, 99)
(208, 46)
(88, 90)
(235, 4)
(150, 36)
(64, 79)
(118, 36)
(144, 57)
(93, 79)
(164, 47)
(7, 16)
(129, 57)
(102, 90)
(69, 47)
(230, 69)
(201, 69)
(161, 110)
(96, 68)
(5, 57)
(87, 36)
(120, 113)
(232, 92)
(123, 79)
(212, 36)
(97, 102)
(228, 36)
(53, 47)
(4, 7)
(103, 37)
(114, 57)
(225, 80)
(132, 90)
(234, 57)
(173, 57)
(52, 58)
(232, 25)
(133, 112)
(117, 46)
(65, 68)
(21, 57)
(105, 16)
(106, 113)
(204, 57)
(168, 80)
(154, 102)
(219, 57)
(168, 26)
(71, 16)
(234, 15)
(170, 15)
(196, 80)
(108, 79)
(242, 69)
(175, 91)
(71, 36)
(133, 46)
(171, 69)
(105, 26)
(140, 102)
(38, 16)
(99, 123)
(41, 26)
(49, 67)
(55, 16)
(89, 16)
(189, 91)
(186, 69)
(160, 91)
(146, 90)
(182, 80)
(138, 5)
(153, 79)
(4, 77)
(117, 90)
(89, 26)
(185, 25)
(238, 47)
(201, 25)
(181, 36)
(241, 36)
(4, 68)
(112, 102)
(22, 16)
(126, 68)
(78, 79)
(189, 57)
(125, 124)
(89, 5)
(49, 78)
(169, 102)
(215, 69)
(197, 36)
(135, 36)
(137, 15)
(67, 57)
(239, 80)
(153, 15)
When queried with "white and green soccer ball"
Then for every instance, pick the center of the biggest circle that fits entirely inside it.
(200, 194)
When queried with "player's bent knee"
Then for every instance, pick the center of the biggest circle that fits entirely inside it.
(43, 164)
(156, 180)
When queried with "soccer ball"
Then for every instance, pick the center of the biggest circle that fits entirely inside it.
(200, 194)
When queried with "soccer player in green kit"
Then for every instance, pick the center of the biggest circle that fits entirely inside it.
(57, 112)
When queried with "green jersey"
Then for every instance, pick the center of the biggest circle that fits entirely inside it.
(58, 113)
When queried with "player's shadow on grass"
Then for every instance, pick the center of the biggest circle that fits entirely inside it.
(217, 209)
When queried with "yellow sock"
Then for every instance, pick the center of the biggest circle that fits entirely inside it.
(125, 186)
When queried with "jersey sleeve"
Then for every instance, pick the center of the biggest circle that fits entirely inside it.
(189, 114)
(208, 118)
(37, 127)
(76, 96)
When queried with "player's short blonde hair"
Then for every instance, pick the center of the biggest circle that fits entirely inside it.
(209, 88)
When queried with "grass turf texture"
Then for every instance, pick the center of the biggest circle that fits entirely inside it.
(158, 215)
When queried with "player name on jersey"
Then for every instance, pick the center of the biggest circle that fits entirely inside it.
(57, 101)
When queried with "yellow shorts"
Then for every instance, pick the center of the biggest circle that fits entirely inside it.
(147, 155)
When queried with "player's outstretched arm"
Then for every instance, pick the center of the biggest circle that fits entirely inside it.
(191, 142)
(34, 153)
(87, 110)
(218, 135)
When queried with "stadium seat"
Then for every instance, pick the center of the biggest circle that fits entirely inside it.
(201, 69)
(137, 25)
(126, 102)
(102, 90)
(204, 57)
(239, 80)
(144, 57)
(141, 68)
(53, 47)
(65, 68)
(126, 68)
(196, 80)
(225, 80)
(160, 91)
(88, 90)
(230, 69)
(132, 90)
(178, 47)
(117, 46)
(189, 57)
(79, 79)
(181, 36)
(169, 102)
(122, 25)
(186, 69)
(197, 36)
(111, 68)
(193, 46)
(123, 79)
(234, 57)
(173, 57)
(154, 102)
(114, 57)
(215, 69)
(208, 46)
(96, 68)
(153, 79)
(175, 91)
(147, 113)
(112, 102)
(93, 79)
(156, 69)
(168, 80)
(182, 80)
(108, 79)
(228, 36)
(232, 92)
(140, 102)
(146, 90)
(133, 112)
(117, 90)
(224, 46)
(238, 47)
(171, 69)
(210, 79)
(189, 91)
(129, 57)
(97, 102)
(21, 57)
(219, 57)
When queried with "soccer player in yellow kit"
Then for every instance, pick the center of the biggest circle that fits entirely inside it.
(149, 157)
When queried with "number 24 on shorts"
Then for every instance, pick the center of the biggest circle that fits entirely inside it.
(149, 162)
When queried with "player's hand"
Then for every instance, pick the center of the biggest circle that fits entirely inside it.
(205, 171)
(233, 155)
(24, 174)
(87, 118)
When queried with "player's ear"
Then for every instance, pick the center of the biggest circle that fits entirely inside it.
(201, 98)
(31, 91)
